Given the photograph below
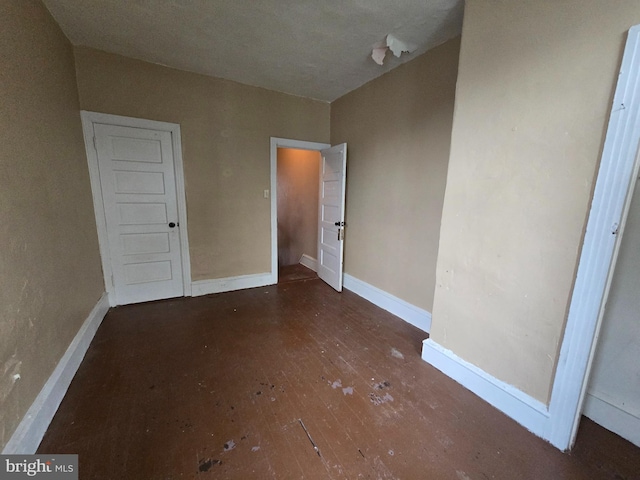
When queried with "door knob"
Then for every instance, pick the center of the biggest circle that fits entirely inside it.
(339, 224)
(171, 224)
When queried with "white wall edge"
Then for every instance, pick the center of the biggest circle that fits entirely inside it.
(309, 262)
(526, 410)
(406, 311)
(27, 437)
(612, 417)
(229, 284)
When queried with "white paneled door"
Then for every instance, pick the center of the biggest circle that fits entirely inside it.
(138, 184)
(333, 169)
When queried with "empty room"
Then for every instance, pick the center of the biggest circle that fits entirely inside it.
(461, 294)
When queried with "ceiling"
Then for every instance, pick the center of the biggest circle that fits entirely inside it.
(319, 49)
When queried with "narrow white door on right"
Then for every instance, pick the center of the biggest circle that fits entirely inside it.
(331, 215)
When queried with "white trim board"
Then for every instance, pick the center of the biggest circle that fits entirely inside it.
(612, 417)
(88, 119)
(27, 437)
(527, 411)
(275, 144)
(409, 313)
(230, 284)
(309, 262)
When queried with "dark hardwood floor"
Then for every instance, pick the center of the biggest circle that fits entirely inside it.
(295, 273)
(242, 385)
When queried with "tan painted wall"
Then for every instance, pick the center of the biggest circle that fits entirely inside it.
(50, 275)
(534, 88)
(398, 129)
(226, 129)
(298, 185)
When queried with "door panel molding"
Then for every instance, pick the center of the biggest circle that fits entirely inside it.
(89, 119)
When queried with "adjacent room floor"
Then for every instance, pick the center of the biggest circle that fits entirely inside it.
(294, 273)
(293, 381)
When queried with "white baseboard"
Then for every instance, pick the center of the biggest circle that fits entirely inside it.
(27, 437)
(527, 411)
(612, 417)
(409, 313)
(229, 284)
(309, 262)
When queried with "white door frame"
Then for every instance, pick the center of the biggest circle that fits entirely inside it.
(88, 119)
(610, 202)
(275, 144)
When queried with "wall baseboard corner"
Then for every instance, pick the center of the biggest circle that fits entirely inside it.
(309, 262)
(612, 417)
(409, 313)
(27, 437)
(526, 410)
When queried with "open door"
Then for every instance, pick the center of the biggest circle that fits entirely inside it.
(333, 169)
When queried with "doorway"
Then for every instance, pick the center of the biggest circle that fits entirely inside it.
(284, 143)
(331, 208)
(298, 179)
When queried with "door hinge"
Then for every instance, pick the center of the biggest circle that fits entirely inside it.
(113, 284)
(95, 143)
(341, 234)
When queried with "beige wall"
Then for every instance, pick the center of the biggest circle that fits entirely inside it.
(226, 129)
(534, 88)
(50, 275)
(298, 185)
(398, 128)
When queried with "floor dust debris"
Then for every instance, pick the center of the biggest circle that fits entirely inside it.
(378, 400)
(205, 465)
(230, 445)
(336, 384)
(397, 353)
(347, 391)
